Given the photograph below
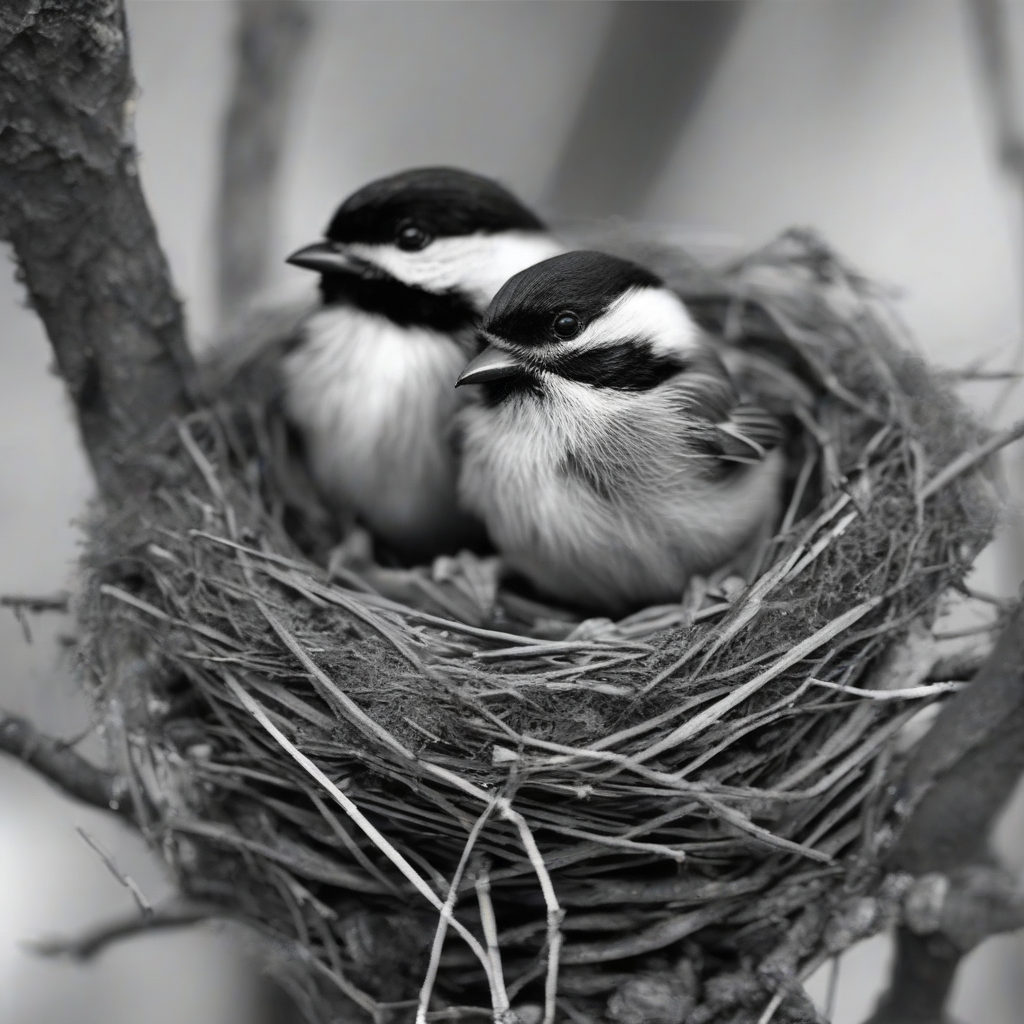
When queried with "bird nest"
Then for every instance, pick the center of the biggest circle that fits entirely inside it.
(438, 796)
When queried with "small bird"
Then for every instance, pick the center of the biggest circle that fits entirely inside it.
(609, 454)
(408, 264)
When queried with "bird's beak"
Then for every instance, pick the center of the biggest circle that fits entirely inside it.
(492, 364)
(331, 258)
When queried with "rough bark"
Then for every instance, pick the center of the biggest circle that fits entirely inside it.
(923, 971)
(269, 44)
(967, 765)
(957, 783)
(72, 206)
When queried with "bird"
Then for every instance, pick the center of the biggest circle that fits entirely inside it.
(608, 451)
(407, 265)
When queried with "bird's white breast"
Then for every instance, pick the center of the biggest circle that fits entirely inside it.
(374, 401)
(592, 495)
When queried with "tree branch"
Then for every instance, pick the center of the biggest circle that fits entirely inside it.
(992, 34)
(958, 781)
(269, 43)
(967, 765)
(71, 773)
(922, 975)
(72, 205)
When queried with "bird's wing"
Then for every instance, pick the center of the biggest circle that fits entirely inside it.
(716, 420)
(748, 434)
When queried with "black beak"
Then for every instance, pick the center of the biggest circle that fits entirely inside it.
(492, 364)
(332, 258)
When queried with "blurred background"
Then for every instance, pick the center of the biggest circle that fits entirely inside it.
(719, 122)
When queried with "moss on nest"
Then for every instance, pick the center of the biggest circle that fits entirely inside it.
(684, 802)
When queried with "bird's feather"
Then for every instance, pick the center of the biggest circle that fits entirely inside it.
(748, 434)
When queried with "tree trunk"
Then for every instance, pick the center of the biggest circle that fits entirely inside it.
(72, 205)
(269, 43)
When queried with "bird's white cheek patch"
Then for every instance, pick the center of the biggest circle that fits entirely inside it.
(476, 265)
(654, 314)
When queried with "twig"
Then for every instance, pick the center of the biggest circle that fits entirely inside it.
(773, 1004)
(749, 607)
(907, 693)
(145, 907)
(489, 923)
(37, 603)
(810, 460)
(358, 608)
(290, 855)
(832, 989)
(85, 947)
(108, 590)
(351, 845)
(359, 717)
(554, 911)
(449, 906)
(357, 816)
(23, 606)
(962, 463)
(71, 773)
(744, 824)
(658, 936)
(658, 849)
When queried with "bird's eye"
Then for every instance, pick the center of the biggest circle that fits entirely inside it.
(410, 237)
(567, 325)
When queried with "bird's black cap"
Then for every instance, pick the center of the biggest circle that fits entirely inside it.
(584, 283)
(443, 201)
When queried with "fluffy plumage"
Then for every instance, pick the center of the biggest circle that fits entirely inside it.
(407, 266)
(609, 453)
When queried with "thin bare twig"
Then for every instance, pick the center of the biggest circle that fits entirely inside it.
(489, 923)
(554, 911)
(71, 773)
(37, 603)
(968, 460)
(145, 907)
(907, 693)
(449, 906)
(84, 947)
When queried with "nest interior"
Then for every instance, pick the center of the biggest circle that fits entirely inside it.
(438, 797)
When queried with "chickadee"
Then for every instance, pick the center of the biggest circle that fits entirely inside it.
(609, 455)
(407, 266)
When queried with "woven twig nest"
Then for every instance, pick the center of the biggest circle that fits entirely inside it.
(670, 818)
